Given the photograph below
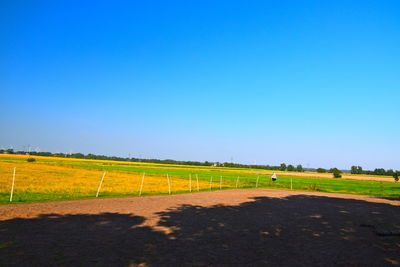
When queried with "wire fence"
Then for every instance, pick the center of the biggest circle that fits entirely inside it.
(59, 183)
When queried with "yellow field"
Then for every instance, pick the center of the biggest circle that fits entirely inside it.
(51, 179)
(42, 178)
(192, 168)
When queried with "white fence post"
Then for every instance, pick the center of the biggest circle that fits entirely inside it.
(190, 182)
(169, 185)
(291, 183)
(237, 182)
(258, 177)
(101, 182)
(141, 185)
(197, 180)
(220, 183)
(210, 183)
(12, 185)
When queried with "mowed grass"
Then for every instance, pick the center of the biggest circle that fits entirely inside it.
(51, 179)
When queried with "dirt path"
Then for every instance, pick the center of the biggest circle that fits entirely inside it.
(150, 205)
(230, 227)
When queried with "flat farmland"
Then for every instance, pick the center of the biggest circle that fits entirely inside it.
(52, 179)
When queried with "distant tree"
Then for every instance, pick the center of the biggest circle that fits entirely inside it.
(336, 173)
(389, 172)
(332, 170)
(353, 169)
(299, 168)
(282, 167)
(356, 170)
(396, 176)
(290, 168)
(360, 170)
(91, 156)
(380, 171)
(10, 151)
(321, 170)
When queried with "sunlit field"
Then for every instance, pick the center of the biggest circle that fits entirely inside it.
(37, 181)
(51, 179)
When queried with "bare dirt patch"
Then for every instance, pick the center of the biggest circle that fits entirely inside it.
(230, 227)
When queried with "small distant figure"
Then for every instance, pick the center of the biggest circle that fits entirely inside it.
(273, 177)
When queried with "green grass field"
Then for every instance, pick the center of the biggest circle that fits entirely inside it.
(44, 172)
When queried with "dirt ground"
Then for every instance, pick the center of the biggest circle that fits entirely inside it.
(254, 227)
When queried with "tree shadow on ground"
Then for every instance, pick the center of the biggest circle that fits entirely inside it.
(296, 230)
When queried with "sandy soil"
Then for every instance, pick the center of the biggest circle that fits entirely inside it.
(231, 227)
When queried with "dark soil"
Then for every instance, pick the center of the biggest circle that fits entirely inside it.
(231, 227)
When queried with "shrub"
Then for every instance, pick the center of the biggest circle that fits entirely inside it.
(396, 176)
(31, 160)
(337, 173)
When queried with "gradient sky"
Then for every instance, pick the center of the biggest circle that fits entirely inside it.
(303, 82)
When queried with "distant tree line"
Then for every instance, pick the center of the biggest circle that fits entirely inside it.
(282, 167)
(103, 157)
(359, 170)
(379, 171)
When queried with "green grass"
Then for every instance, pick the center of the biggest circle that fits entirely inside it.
(338, 185)
(247, 180)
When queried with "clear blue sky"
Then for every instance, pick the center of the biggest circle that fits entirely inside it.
(303, 82)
